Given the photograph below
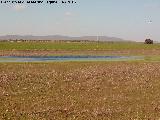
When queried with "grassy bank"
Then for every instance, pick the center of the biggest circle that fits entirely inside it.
(83, 90)
(76, 46)
(79, 48)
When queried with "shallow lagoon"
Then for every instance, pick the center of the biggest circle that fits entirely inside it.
(66, 58)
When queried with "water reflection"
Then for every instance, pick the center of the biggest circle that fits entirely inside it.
(66, 58)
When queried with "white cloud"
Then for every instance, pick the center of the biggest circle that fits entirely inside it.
(68, 14)
(19, 7)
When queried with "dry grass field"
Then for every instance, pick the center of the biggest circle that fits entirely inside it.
(141, 52)
(80, 90)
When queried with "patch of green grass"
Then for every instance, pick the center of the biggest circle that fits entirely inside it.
(152, 58)
(6, 59)
(75, 46)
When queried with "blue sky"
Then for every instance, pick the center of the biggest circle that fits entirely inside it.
(127, 19)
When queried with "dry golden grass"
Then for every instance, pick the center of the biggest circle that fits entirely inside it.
(80, 90)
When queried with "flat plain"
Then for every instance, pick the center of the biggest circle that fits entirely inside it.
(80, 90)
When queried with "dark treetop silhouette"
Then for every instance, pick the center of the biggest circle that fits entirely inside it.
(148, 41)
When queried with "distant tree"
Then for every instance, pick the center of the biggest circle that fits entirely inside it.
(148, 41)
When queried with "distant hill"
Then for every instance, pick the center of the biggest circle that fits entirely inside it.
(59, 37)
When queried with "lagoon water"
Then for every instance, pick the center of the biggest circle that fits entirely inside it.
(66, 58)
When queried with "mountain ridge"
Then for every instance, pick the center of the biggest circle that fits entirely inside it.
(59, 37)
